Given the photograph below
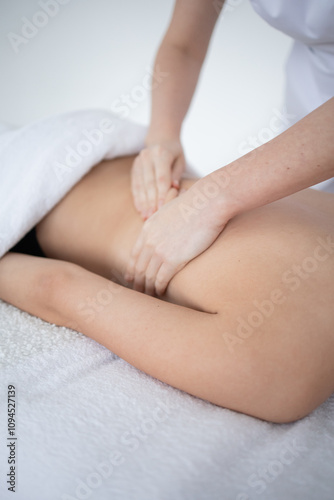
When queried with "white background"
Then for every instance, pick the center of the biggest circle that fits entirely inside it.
(93, 51)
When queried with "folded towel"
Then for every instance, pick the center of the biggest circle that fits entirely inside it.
(42, 161)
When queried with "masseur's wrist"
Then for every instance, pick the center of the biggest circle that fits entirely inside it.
(163, 138)
(162, 133)
(210, 201)
(232, 187)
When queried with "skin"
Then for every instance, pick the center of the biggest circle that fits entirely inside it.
(279, 371)
(181, 55)
(300, 157)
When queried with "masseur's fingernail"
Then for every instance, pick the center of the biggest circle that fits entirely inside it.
(161, 202)
(176, 184)
(149, 212)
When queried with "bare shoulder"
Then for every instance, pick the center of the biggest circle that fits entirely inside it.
(285, 245)
(316, 199)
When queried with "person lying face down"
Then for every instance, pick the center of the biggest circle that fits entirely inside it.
(247, 325)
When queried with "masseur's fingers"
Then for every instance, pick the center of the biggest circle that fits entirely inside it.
(143, 266)
(154, 171)
(140, 268)
(177, 171)
(172, 237)
(150, 179)
(137, 183)
(172, 193)
(150, 275)
(131, 267)
(163, 277)
(163, 161)
(149, 185)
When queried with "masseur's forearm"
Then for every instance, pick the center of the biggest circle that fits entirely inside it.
(298, 158)
(181, 55)
(172, 96)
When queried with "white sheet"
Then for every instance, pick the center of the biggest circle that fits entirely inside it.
(89, 425)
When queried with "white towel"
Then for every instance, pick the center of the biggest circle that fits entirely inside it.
(89, 425)
(42, 161)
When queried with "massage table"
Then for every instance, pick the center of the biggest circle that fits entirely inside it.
(88, 425)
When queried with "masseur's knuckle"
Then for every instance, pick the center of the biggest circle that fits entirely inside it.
(160, 280)
(150, 277)
(151, 198)
(150, 185)
(161, 252)
(158, 150)
(160, 286)
(163, 180)
(144, 154)
(146, 231)
(140, 271)
(163, 152)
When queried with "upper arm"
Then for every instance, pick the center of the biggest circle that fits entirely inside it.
(192, 25)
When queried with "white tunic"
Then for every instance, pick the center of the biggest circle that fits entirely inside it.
(310, 66)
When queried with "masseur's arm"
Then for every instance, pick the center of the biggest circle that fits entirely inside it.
(177, 67)
(300, 157)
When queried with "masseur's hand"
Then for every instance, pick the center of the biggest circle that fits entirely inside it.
(172, 237)
(155, 170)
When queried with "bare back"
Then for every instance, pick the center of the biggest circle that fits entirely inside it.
(256, 252)
(251, 323)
